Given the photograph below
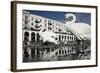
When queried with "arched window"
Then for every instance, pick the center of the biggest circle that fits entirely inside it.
(65, 51)
(33, 37)
(68, 38)
(59, 37)
(59, 51)
(38, 37)
(65, 37)
(32, 23)
(62, 37)
(26, 36)
(68, 50)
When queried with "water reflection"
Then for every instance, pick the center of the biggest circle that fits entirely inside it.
(65, 52)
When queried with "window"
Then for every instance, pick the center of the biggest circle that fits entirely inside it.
(72, 38)
(68, 38)
(26, 17)
(65, 51)
(59, 37)
(62, 37)
(53, 26)
(37, 20)
(26, 34)
(59, 51)
(45, 24)
(38, 37)
(49, 21)
(33, 37)
(56, 38)
(32, 23)
(52, 36)
(59, 25)
(26, 22)
(53, 22)
(56, 28)
(45, 20)
(62, 51)
(65, 37)
(68, 50)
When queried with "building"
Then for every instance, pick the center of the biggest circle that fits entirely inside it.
(32, 24)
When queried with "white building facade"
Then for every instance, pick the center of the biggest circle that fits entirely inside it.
(32, 24)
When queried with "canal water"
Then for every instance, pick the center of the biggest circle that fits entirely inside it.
(60, 54)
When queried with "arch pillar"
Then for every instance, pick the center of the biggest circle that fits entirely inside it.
(35, 52)
(29, 35)
(29, 52)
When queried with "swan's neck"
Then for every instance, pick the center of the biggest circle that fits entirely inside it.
(73, 18)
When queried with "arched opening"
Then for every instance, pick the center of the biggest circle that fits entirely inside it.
(65, 51)
(32, 52)
(59, 38)
(56, 53)
(32, 37)
(38, 37)
(72, 38)
(68, 38)
(62, 37)
(65, 37)
(68, 51)
(26, 36)
(62, 51)
(59, 51)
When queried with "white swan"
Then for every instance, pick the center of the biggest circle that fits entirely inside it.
(48, 36)
(81, 30)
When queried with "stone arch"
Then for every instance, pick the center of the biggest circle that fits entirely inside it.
(32, 37)
(59, 37)
(26, 36)
(38, 37)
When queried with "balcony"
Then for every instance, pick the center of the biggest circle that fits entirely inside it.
(49, 23)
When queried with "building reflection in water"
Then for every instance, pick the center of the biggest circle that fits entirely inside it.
(53, 52)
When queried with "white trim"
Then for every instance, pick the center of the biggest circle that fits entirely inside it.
(21, 65)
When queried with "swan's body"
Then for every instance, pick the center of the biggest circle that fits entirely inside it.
(81, 30)
(48, 36)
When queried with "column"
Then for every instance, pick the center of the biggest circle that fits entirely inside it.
(58, 53)
(50, 50)
(68, 50)
(64, 51)
(73, 39)
(29, 35)
(61, 52)
(45, 52)
(35, 52)
(29, 52)
(40, 53)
